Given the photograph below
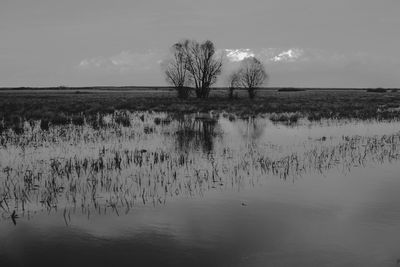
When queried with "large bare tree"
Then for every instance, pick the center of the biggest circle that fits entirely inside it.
(193, 63)
(176, 71)
(202, 64)
(251, 75)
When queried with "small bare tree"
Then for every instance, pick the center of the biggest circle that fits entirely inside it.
(252, 75)
(202, 65)
(233, 82)
(176, 71)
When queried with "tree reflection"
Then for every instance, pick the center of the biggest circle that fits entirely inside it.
(196, 134)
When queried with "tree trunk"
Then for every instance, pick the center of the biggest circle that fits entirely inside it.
(198, 92)
(252, 92)
(231, 92)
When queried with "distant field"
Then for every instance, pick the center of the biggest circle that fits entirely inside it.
(168, 88)
(47, 103)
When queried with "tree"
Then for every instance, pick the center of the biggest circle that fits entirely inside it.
(195, 64)
(176, 71)
(252, 75)
(233, 82)
(202, 65)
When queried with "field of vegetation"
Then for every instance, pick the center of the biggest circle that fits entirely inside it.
(91, 158)
(61, 107)
(125, 159)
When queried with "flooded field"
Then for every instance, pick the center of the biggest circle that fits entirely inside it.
(156, 189)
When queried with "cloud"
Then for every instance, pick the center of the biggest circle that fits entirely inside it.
(125, 61)
(236, 55)
(287, 66)
(266, 54)
(289, 55)
(97, 62)
(294, 66)
(295, 56)
(128, 61)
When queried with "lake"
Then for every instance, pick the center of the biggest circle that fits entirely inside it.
(159, 189)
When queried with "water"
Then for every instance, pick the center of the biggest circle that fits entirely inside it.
(202, 191)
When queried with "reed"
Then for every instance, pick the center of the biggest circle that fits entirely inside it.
(147, 162)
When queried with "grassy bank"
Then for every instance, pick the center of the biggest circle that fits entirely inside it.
(58, 106)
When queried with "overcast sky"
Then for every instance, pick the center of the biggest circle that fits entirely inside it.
(336, 43)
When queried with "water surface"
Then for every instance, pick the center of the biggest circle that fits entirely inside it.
(201, 190)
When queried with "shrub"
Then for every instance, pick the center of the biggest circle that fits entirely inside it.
(122, 119)
(148, 129)
(285, 117)
(18, 129)
(157, 121)
(183, 92)
(78, 120)
(60, 119)
(314, 117)
(44, 125)
(377, 90)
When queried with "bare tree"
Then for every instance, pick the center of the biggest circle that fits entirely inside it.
(233, 82)
(202, 65)
(176, 71)
(252, 75)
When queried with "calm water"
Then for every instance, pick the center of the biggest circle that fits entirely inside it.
(201, 191)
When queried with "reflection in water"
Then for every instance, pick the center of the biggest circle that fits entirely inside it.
(117, 167)
(195, 133)
(133, 168)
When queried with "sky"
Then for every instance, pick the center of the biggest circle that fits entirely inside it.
(307, 43)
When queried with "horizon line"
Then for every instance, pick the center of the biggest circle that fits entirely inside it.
(62, 87)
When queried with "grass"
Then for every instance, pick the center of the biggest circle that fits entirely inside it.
(120, 166)
(288, 118)
(59, 107)
(122, 119)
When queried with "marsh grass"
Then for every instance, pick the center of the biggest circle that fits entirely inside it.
(78, 120)
(115, 166)
(122, 118)
(286, 117)
(61, 107)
